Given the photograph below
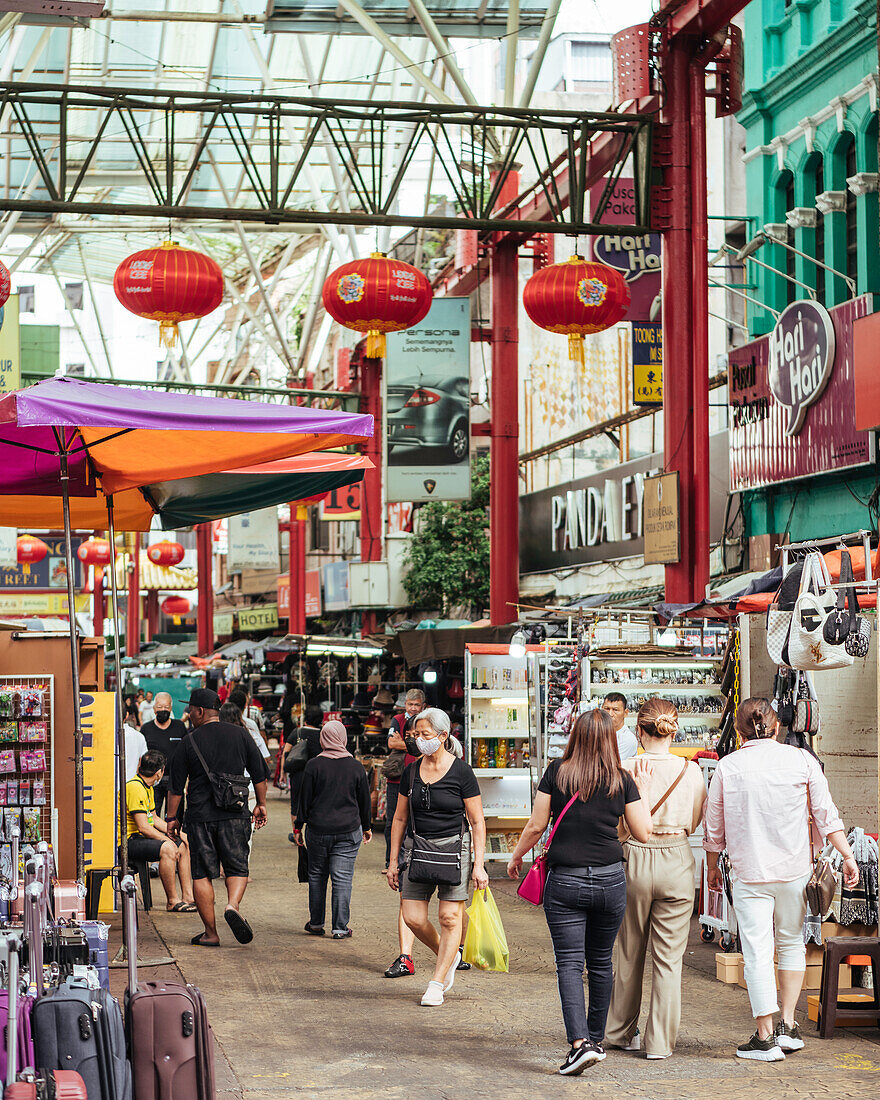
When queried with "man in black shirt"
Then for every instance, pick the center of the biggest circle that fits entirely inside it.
(163, 734)
(216, 837)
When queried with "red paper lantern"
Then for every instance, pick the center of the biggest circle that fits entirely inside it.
(576, 298)
(375, 296)
(95, 552)
(176, 606)
(5, 285)
(165, 553)
(30, 550)
(169, 284)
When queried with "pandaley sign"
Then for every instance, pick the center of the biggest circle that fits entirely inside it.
(792, 398)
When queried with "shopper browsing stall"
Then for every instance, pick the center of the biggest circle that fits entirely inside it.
(760, 803)
(616, 705)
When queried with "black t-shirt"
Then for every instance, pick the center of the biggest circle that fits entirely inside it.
(165, 741)
(587, 836)
(438, 807)
(227, 749)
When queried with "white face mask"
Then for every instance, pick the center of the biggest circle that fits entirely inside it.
(427, 746)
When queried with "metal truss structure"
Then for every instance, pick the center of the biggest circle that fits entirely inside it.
(163, 142)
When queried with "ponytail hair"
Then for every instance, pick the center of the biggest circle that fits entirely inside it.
(755, 718)
(658, 718)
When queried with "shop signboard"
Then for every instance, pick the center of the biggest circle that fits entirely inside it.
(10, 346)
(50, 573)
(313, 594)
(428, 405)
(342, 504)
(647, 362)
(792, 398)
(253, 541)
(101, 817)
(602, 517)
(635, 255)
(8, 550)
(258, 618)
(223, 624)
(43, 604)
(336, 591)
(662, 520)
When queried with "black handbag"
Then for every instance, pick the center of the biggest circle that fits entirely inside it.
(858, 641)
(297, 758)
(392, 765)
(230, 792)
(842, 619)
(435, 861)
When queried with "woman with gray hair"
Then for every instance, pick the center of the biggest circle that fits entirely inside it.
(439, 796)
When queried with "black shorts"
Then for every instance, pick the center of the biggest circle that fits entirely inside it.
(216, 843)
(142, 848)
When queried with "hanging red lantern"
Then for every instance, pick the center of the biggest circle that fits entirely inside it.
(375, 296)
(95, 552)
(176, 607)
(30, 550)
(165, 553)
(5, 285)
(576, 298)
(169, 284)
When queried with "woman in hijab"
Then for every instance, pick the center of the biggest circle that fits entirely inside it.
(334, 804)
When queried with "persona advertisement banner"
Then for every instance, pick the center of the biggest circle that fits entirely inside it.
(427, 393)
(792, 398)
(635, 255)
(253, 541)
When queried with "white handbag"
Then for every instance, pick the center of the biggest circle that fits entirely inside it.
(808, 649)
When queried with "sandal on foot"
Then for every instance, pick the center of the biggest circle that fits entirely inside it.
(199, 941)
(183, 907)
(240, 927)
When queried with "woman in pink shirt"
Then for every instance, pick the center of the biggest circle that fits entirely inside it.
(760, 801)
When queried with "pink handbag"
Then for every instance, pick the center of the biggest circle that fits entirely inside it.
(532, 886)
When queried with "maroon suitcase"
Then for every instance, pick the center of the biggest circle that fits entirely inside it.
(171, 1046)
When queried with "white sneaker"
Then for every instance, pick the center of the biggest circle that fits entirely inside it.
(658, 1057)
(449, 980)
(635, 1043)
(433, 995)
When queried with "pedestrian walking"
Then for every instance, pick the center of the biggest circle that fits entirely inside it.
(215, 760)
(760, 803)
(439, 796)
(659, 891)
(163, 733)
(334, 807)
(310, 734)
(586, 793)
(131, 714)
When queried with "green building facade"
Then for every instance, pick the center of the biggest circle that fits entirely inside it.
(810, 116)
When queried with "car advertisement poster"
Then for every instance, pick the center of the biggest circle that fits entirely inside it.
(427, 398)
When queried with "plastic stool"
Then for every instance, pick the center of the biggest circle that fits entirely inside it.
(836, 950)
(95, 879)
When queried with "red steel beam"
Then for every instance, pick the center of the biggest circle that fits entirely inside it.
(371, 491)
(696, 18)
(205, 613)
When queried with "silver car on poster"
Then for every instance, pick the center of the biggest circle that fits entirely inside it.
(432, 416)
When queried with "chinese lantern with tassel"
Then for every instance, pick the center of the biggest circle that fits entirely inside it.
(377, 295)
(169, 285)
(165, 553)
(95, 552)
(30, 550)
(176, 607)
(302, 506)
(576, 298)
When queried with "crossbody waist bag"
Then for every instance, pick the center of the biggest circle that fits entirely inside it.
(435, 861)
(230, 792)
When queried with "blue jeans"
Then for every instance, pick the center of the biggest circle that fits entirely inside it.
(331, 856)
(584, 912)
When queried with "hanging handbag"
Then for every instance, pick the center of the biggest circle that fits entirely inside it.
(779, 614)
(532, 886)
(230, 792)
(841, 621)
(297, 758)
(807, 646)
(822, 883)
(805, 718)
(858, 641)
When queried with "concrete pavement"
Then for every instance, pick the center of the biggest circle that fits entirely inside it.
(296, 1016)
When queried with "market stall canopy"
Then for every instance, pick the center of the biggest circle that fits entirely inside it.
(416, 646)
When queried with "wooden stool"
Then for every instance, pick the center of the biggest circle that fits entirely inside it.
(836, 950)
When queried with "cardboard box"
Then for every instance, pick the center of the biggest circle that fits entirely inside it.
(857, 999)
(728, 966)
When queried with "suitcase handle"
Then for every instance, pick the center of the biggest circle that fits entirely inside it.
(11, 943)
(129, 922)
(33, 907)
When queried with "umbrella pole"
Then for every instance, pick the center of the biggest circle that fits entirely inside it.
(78, 781)
(120, 717)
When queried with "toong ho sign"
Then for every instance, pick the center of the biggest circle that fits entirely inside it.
(801, 357)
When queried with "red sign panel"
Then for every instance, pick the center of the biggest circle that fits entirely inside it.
(342, 503)
(313, 594)
(636, 256)
(763, 450)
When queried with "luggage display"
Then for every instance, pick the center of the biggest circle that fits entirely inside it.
(69, 900)
(97, 933)
(169, 1038)
(65, 1084)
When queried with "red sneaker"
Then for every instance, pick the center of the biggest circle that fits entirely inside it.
(401, 966)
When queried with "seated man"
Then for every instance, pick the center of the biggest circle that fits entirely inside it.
(148, 834)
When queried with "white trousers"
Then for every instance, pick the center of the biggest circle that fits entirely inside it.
(761, 908)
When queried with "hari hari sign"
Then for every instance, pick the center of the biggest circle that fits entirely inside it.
(801, 357)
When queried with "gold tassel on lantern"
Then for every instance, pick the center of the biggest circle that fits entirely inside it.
(302, 512)
(168, 334)
(375, 344)
(576, 348)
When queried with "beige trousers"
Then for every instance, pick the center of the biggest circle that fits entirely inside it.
(659, 904)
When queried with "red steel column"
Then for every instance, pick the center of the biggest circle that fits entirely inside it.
(152, 602)
(371, 489)
(504, 398)
(296, 572)
(98, 601)
(205, 564)
(133, 619)
(678, 321)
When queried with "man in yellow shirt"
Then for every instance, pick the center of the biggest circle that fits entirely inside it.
(148, 834)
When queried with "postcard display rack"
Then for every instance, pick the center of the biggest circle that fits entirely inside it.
(27, 773)
(500, 743)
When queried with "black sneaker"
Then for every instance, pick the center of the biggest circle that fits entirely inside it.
(579, 1058)
(789, 1038)
(463, 965)
(314, 931)
(401, 967)
(761, 1050)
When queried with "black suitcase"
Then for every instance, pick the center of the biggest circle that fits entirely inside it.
(80, 1028)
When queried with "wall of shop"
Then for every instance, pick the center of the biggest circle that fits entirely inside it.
(813, 509)
(847, 743)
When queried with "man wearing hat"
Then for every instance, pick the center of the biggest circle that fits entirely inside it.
(217, 837)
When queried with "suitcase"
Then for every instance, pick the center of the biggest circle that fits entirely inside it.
(96, 933)
(25, 1048)
(64, 1085)
(169, 1038)
(69, 900)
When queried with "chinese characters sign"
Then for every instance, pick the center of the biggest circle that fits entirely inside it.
(647, 362)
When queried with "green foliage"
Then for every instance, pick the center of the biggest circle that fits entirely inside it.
(448, 558)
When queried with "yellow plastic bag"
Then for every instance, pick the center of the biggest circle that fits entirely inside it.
(485, 944)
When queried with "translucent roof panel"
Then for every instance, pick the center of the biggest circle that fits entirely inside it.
(455, 18)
